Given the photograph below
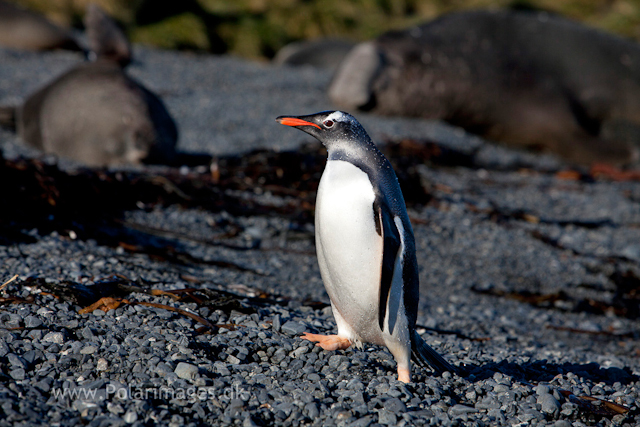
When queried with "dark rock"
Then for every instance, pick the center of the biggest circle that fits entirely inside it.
(17, 361)
(18, 374)
(461, 410)
(293, 328)
(395, 405)
(32, 322)
(276, 323)
(387, 418)
(549, 404)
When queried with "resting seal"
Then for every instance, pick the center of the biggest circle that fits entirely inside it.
(525, 78)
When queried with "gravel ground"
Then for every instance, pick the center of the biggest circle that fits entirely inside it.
(528, 281)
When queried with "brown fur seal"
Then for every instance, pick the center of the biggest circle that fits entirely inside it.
(97, 114)
(320, 53)
(525, 78)
(24, 29)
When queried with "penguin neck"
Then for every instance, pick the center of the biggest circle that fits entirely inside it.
(364, 155)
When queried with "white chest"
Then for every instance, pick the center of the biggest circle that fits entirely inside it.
(349, 248)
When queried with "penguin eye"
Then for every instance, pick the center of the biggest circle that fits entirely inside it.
(328, 123)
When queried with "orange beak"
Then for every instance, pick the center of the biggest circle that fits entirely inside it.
(292, 121)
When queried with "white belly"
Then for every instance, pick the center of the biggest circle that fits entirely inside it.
(349, 249)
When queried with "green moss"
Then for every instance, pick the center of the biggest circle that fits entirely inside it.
(258, 28)
(185, 31)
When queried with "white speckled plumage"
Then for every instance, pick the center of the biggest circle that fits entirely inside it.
(344, 220)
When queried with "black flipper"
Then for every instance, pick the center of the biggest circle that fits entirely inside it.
(424, 355)
(391, 238)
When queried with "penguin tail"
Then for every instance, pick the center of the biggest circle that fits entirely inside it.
(424, 355)
(8, 117)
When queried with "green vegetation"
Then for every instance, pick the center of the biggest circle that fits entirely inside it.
(175, 32)
(258, 28)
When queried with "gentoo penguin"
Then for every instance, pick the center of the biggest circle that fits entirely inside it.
(365, 245)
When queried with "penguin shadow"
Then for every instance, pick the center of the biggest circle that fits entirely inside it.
(23, 29)
(95, 113)
(541, 371)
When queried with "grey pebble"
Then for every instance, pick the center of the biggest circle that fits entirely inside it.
(275, 323)
(233, 360)
(18, 374)
(130, 417)
(311, 409)
(163, 369)
(293, 328)
(498, 416)
(89, 349)
(32, 322)
(363, 421)
(461, 409)
(87, 333)
(102, 364)
(386, 417)
(44, 384)
(248, 422)
(54, 337)
(395, 405)
(186, 371)
(336, 360)
(549, 404)
(542, 390)
(300, 351)
(500, 388)
(17, 361)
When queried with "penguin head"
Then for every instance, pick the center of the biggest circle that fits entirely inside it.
(334, 129)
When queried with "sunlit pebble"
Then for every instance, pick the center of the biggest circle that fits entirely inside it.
(73, 235)
(102, 364)
(482, 174)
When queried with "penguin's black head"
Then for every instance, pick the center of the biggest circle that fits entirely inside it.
(332, 128)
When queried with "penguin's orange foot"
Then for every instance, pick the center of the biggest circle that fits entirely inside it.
(404, 375)
(328, 342)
